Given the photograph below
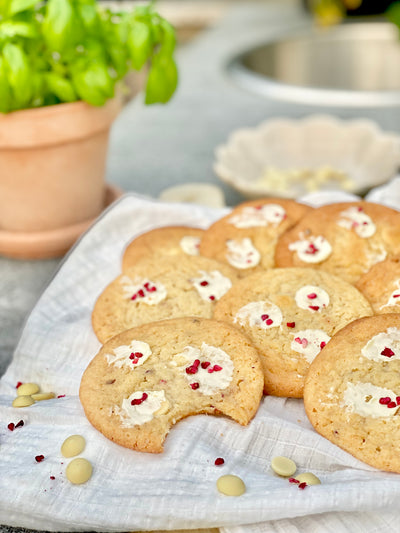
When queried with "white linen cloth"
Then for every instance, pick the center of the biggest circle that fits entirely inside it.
(174, 490)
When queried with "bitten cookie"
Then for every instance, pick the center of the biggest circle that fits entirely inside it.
(352, 391)
(381, 286)
(246, 238)
(158, 288)
(290, 314)
(169, 241)
(345, 239)
(148, 378)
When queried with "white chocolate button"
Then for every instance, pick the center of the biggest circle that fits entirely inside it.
(39, 396)
(23, 401)
(79, 471)
(73, 445)
(231, 485)
(27, 389)
(283, 466)
(309, 478)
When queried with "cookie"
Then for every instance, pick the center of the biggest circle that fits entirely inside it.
(345, 239)
(290, 314)
(148, 378)
(158, 288)
(352, 391)
(246, 238)
(169, 241)
(381, 286)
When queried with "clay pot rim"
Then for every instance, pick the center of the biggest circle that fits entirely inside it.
(56, 124)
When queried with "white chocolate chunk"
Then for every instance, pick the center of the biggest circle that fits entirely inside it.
(73, 445)
(309, 478)
(263, 314)
(384, 346)
(40, 396)
(242, 254)
(312, 298)
(355, 219)
(313, 249)
(231, 485)
(27, 389)
(211, 286)
(283, 466)
(79, 471)
(251, 217)
(23, 401)
(190, 244)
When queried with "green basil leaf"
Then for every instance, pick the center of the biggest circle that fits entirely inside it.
(162, 80)
(93, 82)
(4, 7)
(139, 44)
(58, 26)
(89, 17)
(5, 90)
(61, 87)
(16, 6)
(19, 74)
(169, 38)
(9, 28)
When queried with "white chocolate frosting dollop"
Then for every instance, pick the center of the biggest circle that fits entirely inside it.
(211, 286)
(312, 298)
(132, 356)
(313, 249)
(263, 314)
(263, 215)
(143, 290)
(309, 342)
(190, 244)
(363, 399)
(135, 415)
(355, 219)
(242, 254)
(384, 346)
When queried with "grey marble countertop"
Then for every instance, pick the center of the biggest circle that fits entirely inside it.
(154, 148)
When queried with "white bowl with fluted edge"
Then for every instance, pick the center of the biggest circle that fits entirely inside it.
(360, 149)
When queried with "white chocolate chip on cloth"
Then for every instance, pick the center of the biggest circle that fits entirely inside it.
(158, 288)
(167, 241)
(192, 366)
(290, 314)
(345, 239)
(352, 391)
(246, 238)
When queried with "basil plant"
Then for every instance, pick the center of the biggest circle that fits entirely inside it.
(67, 50)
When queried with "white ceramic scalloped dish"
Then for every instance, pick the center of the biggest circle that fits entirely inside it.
(359, 148)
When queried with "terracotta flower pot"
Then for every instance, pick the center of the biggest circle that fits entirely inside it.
(52, 165)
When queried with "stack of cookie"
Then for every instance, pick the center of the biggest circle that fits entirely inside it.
(206, 321)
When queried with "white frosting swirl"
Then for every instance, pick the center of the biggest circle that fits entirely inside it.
(384, 346)
(211, 285)
(312, 298)
(263, 215)
(263, 314)
(143, 290)
(242, 254)
(190, 244)
(363, 399)
(136, 415)
(132, 356)
(313, 249)
(309, 342)
(355, 219)
(213, 372)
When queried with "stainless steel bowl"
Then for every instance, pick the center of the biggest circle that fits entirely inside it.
(350, 65)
